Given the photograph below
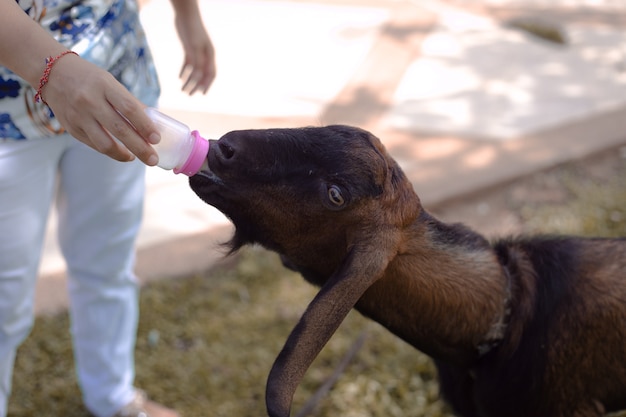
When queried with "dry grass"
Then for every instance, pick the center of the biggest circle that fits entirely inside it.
(206, 343)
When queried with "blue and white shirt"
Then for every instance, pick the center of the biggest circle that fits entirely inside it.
(105, 32)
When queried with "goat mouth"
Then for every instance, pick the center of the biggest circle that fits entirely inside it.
(206, 175)
(206, 184)
(209, 176)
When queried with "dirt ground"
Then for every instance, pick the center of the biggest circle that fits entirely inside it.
(586, 197)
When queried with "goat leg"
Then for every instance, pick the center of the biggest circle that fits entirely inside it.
(319, 322)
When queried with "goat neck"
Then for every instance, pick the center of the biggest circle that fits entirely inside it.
(445, 292)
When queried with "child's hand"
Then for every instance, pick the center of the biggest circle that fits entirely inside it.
(95, 108)
(199, 69)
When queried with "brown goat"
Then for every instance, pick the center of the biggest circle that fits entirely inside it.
(528, 327)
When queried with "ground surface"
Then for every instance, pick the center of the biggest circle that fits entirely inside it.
(586, 197)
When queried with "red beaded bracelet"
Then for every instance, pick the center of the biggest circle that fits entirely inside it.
(46, 74)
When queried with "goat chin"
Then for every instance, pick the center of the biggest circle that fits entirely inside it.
(527, 326)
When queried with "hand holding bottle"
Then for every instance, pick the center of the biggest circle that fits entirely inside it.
(81, 113)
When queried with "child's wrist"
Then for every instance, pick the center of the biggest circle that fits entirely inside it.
(50, 61)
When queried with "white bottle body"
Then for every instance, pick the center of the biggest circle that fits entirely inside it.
(176, 142)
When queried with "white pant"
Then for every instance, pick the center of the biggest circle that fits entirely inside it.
(100, 204)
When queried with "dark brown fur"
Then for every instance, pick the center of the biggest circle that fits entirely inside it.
(528, 327)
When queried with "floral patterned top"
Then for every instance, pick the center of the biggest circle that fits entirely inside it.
(105, 32)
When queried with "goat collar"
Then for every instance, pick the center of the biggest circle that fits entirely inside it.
(496, 333)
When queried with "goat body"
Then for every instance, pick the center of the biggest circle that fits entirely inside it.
(518, 328)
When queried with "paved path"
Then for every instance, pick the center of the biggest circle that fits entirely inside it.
(461, 99)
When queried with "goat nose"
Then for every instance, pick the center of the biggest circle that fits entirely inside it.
(227, 151)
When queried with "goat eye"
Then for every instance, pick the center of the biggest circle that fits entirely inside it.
(335, 197)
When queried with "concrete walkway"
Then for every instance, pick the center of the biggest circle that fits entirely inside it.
(462, 99)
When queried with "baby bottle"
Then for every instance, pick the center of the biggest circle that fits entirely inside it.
(179, 149)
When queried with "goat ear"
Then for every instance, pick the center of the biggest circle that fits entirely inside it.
(364, 265)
